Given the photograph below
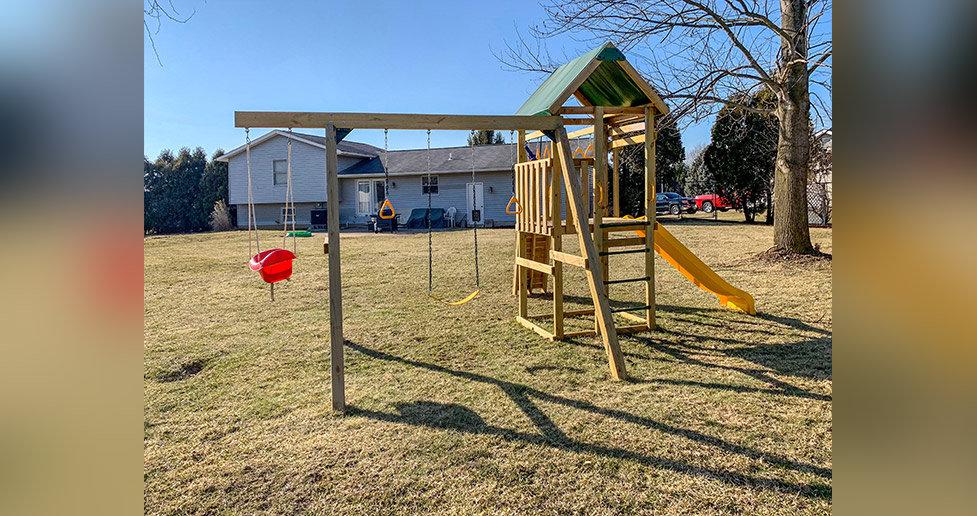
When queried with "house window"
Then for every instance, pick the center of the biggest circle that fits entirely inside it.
(281, 171)
(364, 196)
(288, 215)
(431, 186)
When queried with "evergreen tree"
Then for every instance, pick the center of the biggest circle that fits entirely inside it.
(485, 137)
(669, 169)
(179, 192)
(743, 153)
(698, 180)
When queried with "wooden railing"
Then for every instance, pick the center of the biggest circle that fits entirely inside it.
(532, 187)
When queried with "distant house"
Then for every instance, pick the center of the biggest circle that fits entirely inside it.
(819, 187)
(361, 180)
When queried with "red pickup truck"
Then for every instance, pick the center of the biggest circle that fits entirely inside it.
(710, 202)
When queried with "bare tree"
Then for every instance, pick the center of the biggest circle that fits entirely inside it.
(704, 54)
(152, 10)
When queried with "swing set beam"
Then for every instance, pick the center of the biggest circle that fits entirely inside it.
(313, 120)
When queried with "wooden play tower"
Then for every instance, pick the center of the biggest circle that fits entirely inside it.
(566, 192)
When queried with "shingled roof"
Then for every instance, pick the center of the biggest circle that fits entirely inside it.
(355, 149)
(443, 160)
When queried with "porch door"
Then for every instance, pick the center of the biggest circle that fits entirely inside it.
(476, 203)
(380, 195)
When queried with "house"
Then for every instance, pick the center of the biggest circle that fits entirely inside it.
(361, 180)
(819, 188)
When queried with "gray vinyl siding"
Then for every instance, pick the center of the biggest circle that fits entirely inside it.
(267, 214)
(308, 173)
(407, 194)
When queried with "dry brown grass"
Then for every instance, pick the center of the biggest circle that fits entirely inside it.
(463, 411)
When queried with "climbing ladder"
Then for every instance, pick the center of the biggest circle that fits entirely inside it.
(565, 195)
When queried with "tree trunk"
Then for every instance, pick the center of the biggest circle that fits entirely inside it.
(769, 195)
(790, 228)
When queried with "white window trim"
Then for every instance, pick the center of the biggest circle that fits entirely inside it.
(370, 196)
(284, 217)
(433, 176)
(274, 175)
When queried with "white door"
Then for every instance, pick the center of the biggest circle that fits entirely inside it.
(476, 203)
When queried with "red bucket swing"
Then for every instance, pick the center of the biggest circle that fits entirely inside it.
(273, 265)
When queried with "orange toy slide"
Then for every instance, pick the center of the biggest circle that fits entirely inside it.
(686, 262)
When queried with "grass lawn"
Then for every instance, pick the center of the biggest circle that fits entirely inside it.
(460, 410)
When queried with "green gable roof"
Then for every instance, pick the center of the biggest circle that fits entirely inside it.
(608, 84)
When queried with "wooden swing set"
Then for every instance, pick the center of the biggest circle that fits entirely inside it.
(551, 195)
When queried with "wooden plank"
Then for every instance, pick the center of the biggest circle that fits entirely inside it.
(571, 259)
(337, 370)
(614, 131)
(625, 242)
(590, 110)
(579, 333)
(635, 318)
(556, 245)
(533, 326)
(632, 329)
(600, 188)
(627, 140)
(523, 278)
(545, 268)
(616, 157)
(577, 120)
(617, 228)
(595, 277)
(568, 313)
(521, 157)
(311, 120)
(650, 215)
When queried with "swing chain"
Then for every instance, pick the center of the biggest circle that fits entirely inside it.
(474, 222)
(512, 157)
(386, 170)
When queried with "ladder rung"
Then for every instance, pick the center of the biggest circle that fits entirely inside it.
(626, 251)
(625, 224)
(629, 308)
(611, 282)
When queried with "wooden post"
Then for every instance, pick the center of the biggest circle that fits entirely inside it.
(521, 157)
(523, 278)
(595, 277)
(600, 182)
(336, 342)
(650, 180)
(556, 236)
(615, 155)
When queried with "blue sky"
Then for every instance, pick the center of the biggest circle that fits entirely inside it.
(368, 55)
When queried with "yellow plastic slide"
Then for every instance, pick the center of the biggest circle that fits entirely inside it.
(698, 272)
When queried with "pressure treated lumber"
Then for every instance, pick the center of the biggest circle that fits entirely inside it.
(307, 120)
(337, 369)
(595, 277)
(650, 216)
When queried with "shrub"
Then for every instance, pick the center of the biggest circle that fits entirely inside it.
(220, 217)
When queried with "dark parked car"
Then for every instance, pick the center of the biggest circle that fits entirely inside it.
(673, 203)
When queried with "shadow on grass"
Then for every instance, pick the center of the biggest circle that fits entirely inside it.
(463, 419)
(808, 357)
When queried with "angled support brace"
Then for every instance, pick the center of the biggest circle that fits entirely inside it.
(595, 276)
